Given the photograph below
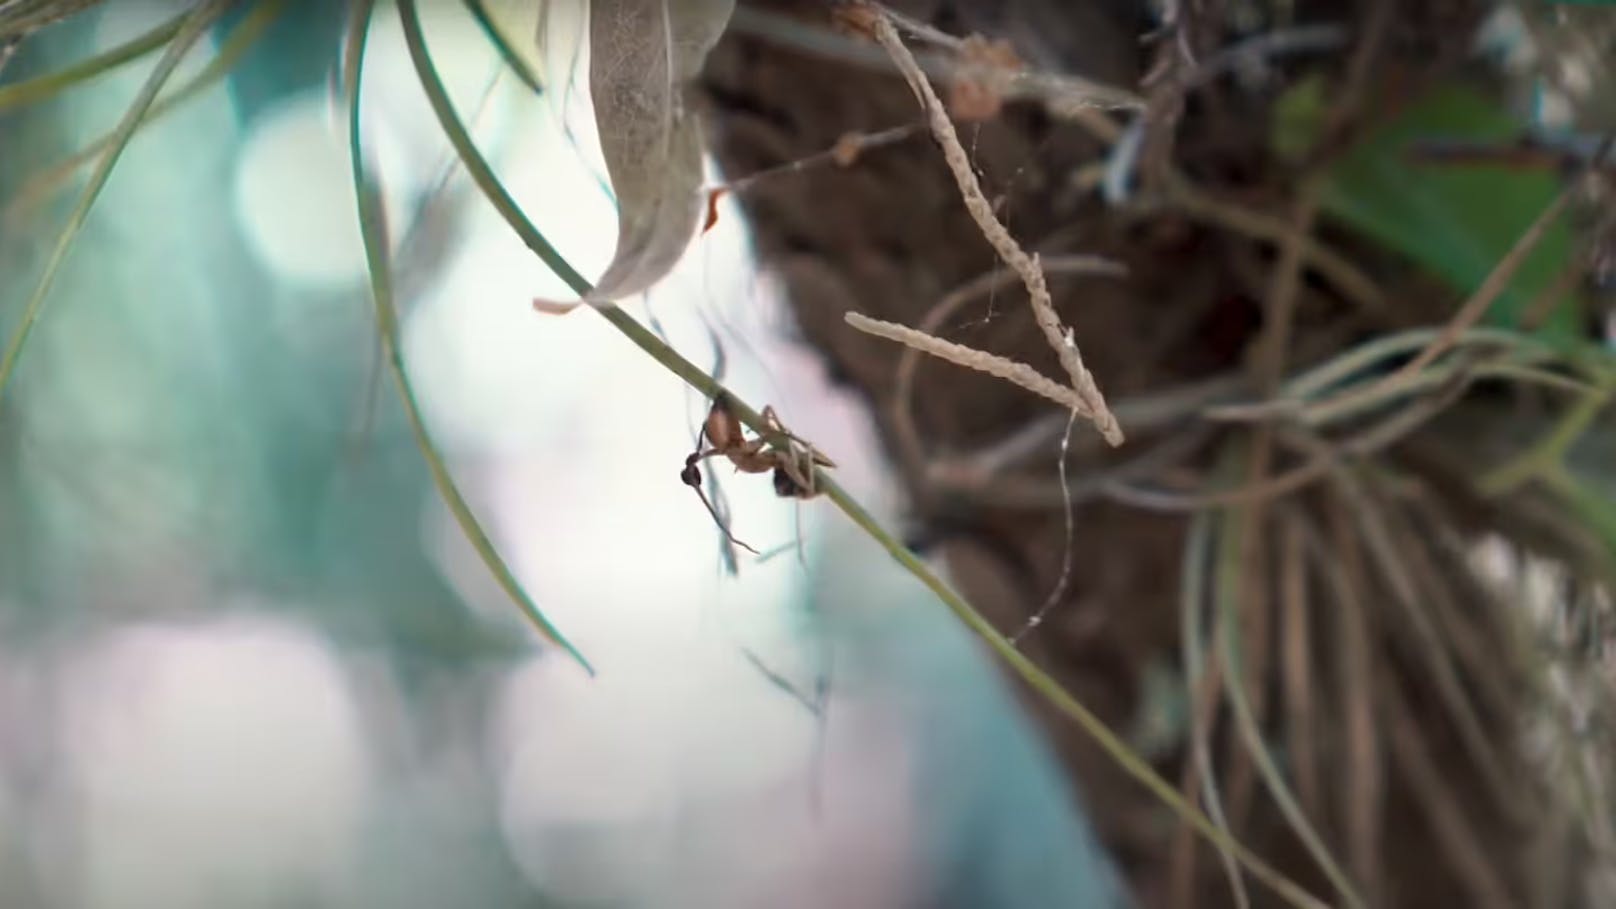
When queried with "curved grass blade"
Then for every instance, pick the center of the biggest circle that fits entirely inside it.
(476, 165)
(1226, 580)
(1195, 647)
(40, 88)
(373, 228)
(193, 27)
(241, 39)
(488, 182)
(507, 52)
(19, 17)
(1548, 453)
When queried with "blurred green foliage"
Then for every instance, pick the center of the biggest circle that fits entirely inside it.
(1453, 221)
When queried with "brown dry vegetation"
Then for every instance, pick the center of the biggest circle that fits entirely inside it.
(1392, 681)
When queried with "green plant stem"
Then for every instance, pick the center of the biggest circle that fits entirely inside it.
(507, 52)
(372, 224)
(483, 175)
(190, 30)
(1319, 379)
(40, 88)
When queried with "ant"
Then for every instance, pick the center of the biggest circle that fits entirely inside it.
(791, 459)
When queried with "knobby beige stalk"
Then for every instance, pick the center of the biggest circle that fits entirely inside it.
(1084, 396)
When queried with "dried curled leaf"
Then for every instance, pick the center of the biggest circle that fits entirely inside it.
(642, 55)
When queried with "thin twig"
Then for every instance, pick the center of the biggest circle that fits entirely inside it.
(1269, 355)
(1062, 95)
(1391, 564)
(1055, 595)
(1296, 659)
(1152, 410)
(1492, 287)
(1345, 276)
(921, 30)
(969, 357)
(1204, 678)
(1376, 437)
(1226, 588)
(1464, 616)
(1023, 492)
(1363, 399)
(1364, 783)
(981, 210)
(1427, 782)
(846, 150)
(905, 430)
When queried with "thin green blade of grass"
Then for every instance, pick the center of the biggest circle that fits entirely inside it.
(502, 45)
(1226, 585)
(19, 17)
(190, 30)
(1135, 766)
(373, 229)
(235, 46)
(40, 88)
(1549, 453)
(1192, 630)
(472, 158)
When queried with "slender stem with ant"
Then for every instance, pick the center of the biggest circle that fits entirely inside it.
(792, 460)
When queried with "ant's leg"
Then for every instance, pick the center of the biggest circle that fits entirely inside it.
(772, 421)
(692, 478)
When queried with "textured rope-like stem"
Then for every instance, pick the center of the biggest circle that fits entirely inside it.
(971, 358)
(981, 211)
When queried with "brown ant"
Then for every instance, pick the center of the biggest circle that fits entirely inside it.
(791, 459)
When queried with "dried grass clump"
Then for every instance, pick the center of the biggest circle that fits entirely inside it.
(1320, 441)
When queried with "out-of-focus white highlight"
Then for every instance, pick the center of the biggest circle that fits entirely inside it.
(235, 744)
(294, 194)
(705, 790)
